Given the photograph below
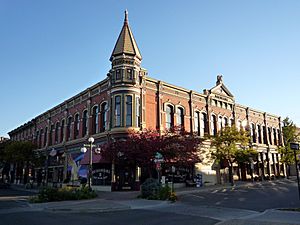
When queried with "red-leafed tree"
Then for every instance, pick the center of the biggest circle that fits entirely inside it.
(139, 148)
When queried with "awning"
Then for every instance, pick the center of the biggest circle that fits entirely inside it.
(97, 158)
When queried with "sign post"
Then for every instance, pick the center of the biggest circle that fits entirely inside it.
(158, 160)
(295, 146)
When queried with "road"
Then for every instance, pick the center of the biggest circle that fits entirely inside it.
(197, 207)
(256, 196)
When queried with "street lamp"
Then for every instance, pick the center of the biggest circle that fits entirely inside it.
(84, 150)
(295, 147)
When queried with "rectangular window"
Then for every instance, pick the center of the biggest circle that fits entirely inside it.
(118, 111)
(137, 110)
(128, 110)
(129, 74)
(196, 123)
(118, 75)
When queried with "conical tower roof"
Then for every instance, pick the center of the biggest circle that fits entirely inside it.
(126, 43)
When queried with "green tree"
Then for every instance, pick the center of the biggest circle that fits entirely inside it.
(232, 146)
(290, 134)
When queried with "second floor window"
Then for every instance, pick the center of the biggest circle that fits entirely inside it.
(56, 132)
(137, 108)
(128, 110)
(118, 111)
(45, 136)
(85, 121)
(95, 119)
(197, 123)
(213, 125)
(62, 130)
(103, 122)
(76, 126)
(169, 117)
(68, 136)
(180, 118)
(203, 124)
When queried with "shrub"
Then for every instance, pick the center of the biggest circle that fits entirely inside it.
(150, 188)
(62, 194)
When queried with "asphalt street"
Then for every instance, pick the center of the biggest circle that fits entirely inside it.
(256, 196)
(132, 217)
(200, 206)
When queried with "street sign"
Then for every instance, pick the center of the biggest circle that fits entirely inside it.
(294, 146)
(159, 160)
(158, 155)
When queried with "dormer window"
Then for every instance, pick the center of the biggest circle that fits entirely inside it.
(118, 75)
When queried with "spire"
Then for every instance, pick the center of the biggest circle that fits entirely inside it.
(126, 43)
(126, 17)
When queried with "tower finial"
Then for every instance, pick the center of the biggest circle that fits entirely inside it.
(126, 16)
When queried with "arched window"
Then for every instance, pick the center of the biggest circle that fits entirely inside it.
(274, 136)
(84, 123)
(169, 117)
(51, 134)
(103, 121)
(239, 125)
(225, 122)
(76, 126)
(180, 117)
(213, 125)
(41, 137)
(128, 110)
(279, 137)
(95, 119)
(270, 135)
(265, 134)
(253, 133)
(56, 132)
(118, 111)
(220, 123)
(45, 136)
(68, 136)
(62, 130)
(259, 134)
(203, 124)
(197, 123)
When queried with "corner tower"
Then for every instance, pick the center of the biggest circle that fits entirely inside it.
(126, 80)
(126, 57)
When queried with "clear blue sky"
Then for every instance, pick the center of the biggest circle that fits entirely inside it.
(51, 50)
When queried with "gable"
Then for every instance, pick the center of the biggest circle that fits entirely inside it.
(221, 89)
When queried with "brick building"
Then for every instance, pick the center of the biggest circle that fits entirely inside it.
(129, 99)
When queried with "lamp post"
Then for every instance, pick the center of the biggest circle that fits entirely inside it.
(97, 150)
(295, 146)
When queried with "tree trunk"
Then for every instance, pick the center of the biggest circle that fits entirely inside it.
(231, 174)
(288, 172)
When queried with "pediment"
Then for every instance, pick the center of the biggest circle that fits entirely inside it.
(222, 90)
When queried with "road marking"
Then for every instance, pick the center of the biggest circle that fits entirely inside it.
(197, 196)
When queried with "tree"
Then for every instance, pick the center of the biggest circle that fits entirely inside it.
(22, 154)
(139, 148)
(231, 145)
(290, 134)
